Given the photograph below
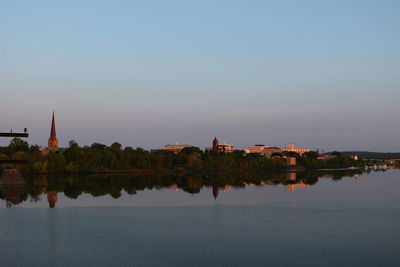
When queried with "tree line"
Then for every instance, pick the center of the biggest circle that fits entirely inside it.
(102, 158)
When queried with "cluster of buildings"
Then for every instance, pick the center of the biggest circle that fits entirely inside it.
(228, 148)
(269, 151)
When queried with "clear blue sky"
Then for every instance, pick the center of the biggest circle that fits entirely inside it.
(321, 74)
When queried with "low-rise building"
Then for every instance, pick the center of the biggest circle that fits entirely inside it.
(177, 148)
(255, 149)
(269, 151)
(264, 150)
(225, 148)
(292, 148)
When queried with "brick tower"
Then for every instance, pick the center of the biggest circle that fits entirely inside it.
(215, 144)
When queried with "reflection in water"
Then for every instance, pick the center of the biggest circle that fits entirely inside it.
(215, 191)
(292, 176)
(292, 187)
(73, 186)
(52, 198)
(12, 187)
(13, 194)
(263, 225)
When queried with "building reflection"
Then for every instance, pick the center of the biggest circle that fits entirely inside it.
(216, 190)
(14, 189)
(52, 198)
(292, 176)
(293, 187)
(174, 186)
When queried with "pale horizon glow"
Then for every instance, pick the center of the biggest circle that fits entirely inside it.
(320, 74)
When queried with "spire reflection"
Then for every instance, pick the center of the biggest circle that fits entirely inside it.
(52, 198)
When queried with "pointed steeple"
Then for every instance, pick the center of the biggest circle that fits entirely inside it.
(53, 141)
(53, 128)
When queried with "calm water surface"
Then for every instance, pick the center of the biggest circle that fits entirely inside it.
(283, 220)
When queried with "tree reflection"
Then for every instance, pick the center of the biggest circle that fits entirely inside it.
(114, 184)
(12, 187)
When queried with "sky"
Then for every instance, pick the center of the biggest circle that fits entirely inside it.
(320, 74)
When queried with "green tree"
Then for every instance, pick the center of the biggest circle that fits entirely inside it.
(18, 144)
(194, 161)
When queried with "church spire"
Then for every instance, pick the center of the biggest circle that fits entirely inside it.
(53, 128)
(53, 141)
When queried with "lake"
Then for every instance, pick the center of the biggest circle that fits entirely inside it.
(325, 218)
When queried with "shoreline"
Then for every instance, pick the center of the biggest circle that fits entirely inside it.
(185, 172)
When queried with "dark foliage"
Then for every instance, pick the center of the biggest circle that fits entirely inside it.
(101, 158)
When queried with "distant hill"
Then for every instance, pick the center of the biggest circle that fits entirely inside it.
(372, 155)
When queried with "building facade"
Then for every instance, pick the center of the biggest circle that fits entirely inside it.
(292, 148)
(255, 149)
(269, 151)
(224, 148)
(177, 148)
(264, 150)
